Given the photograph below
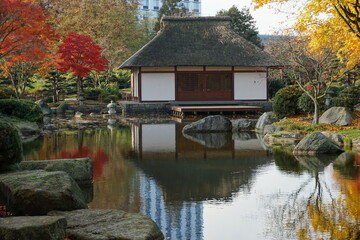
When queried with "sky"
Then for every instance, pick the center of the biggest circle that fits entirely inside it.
(268, 21)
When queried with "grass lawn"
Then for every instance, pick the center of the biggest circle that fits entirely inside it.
(303, 125)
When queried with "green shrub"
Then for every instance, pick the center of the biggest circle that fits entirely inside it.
(92, 93)
(6, 93)
(274, 87)
(25, 110)
(348, 97)
(10, 145)
(306, 104)
(285, 101)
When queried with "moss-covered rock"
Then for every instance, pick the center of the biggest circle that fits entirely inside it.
(39, 192)
(39, 228)
(21, 109)
(315, 144)
(80, 169)
(91, 224)
(215, 123)
(10, 145)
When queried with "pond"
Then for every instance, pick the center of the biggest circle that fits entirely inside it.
(213, 186)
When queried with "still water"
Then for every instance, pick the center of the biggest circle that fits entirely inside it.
(213, 186)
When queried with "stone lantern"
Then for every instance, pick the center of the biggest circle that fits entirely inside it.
(111, 106)
(328, 97)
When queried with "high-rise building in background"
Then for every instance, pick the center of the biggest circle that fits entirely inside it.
(150, 8)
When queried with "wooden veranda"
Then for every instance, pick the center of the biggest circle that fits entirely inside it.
(180, 111)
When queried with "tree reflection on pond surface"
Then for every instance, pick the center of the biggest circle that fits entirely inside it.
(213, 186)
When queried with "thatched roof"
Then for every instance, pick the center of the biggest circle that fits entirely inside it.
(199, 41)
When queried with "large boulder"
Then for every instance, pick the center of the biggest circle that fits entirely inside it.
(338, 115)
(243, 124)
(336, 137)
(216, 123)
(80, 169)
(94, 224)
(10, 146)
(39, 228)
(266, 118)
(284, 139)
(44, 107)
(271, 129)
(38, 192)
(29, 131)
(316, 144)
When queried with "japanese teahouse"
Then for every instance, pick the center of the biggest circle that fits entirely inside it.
(199, 59)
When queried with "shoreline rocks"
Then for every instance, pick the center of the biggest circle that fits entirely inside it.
(28, 227)
(315, 144)
(39, 192)
(109, 225)
(267, 118)
(215, 123)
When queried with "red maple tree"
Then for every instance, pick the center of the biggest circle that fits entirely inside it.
(80, 56)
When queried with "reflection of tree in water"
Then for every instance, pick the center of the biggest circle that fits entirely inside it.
(318, 214)
(113, 176)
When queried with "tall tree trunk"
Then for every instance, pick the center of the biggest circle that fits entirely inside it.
(80, 90)
(316, 112)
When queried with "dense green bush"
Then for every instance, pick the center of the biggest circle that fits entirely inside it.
(274, 86)
(92, 93)
(348, 97)
(26, 110)
(285, 101)
(6, 92)
(10, 145)
(306, 104)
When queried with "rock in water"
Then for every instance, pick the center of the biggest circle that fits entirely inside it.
(336, 137)
(337, 115)
(216, 123)
(243, 124)
(38, 192)
(266, 119)
(39, 228)
(44, 107)
(91, 224)
(316, 144)
(80, 169)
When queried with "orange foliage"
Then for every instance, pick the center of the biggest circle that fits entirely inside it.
(24, 34)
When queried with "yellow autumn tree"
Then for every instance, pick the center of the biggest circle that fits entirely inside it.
(327, 24)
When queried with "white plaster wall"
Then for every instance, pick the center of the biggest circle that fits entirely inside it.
(157, 86)
(250, 86)
(158, 138)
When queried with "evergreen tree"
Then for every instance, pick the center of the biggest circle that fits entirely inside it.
(243, 24)
(171, 8)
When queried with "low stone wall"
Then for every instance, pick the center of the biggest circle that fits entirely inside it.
(134, 107)
(165, 107)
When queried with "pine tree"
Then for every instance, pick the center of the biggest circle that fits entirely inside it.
(243, 24)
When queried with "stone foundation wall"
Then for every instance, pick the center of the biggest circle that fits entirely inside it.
(129, 108)
(165, 107)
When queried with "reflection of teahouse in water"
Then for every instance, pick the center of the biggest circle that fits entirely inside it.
(188, 170)
(180, 173)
